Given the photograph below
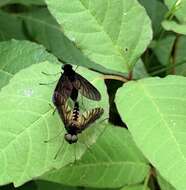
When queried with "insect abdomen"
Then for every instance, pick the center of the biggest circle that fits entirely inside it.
(75, 113)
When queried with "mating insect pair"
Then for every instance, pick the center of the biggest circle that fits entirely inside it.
(69, 85)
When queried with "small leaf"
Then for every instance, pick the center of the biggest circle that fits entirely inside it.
(102, 30)
(112, 162)
(154, 111)
(174, 26)
(178, 8)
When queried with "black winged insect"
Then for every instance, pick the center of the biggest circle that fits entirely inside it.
(75, 122)
(69, 84)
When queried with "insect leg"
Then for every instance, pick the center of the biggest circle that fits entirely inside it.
(54, 109)
(50, 83)
(50, 74)
(75, 153)
(88, 147)
(102, 131)
(53, 138)
(59, 150)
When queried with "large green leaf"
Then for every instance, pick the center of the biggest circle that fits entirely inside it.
(154, 110)
(114, 161)
(43, 28)
(16, 55)
(26, 121)
(104, 30)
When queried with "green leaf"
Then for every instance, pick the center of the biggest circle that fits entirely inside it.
(136, 187)
(163, 49)
(178, 8)
(11, 30)
(174, 26)
(181, 56)
(16, 55)
(27, 2)
(26, 121)
(43, 28)
(112, 162)
(164, 184)
(139, 70)
(102, 30)
(45, 185)
(154, 111)
(156, 11)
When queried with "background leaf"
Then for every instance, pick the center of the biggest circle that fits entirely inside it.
(27, 2)
(11, 30)
(100, 37)
(174, 26)
(180, 7)
(16, 55)
(154, 111)
(156, 11)
(136, 187)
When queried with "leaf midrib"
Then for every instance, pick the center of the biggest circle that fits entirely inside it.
(117, 48)
(162, 118)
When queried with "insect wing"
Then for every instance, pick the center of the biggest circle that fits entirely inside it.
(86, 88)
(89, 117)
(65, 114)
(62, 91)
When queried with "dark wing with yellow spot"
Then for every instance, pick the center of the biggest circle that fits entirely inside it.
(89, 117)
(62, 91)
(86, 88)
